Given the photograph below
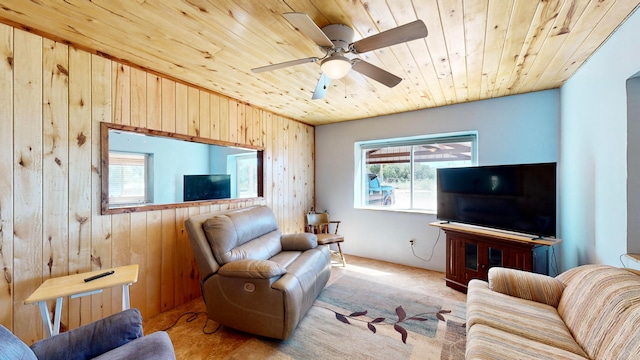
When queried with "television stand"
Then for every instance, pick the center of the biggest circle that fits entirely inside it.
(473, 250)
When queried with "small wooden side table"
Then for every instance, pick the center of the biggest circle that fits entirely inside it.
(74, 286)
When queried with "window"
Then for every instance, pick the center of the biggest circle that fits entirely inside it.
(247, 178)
(400, 174)
(129, 178)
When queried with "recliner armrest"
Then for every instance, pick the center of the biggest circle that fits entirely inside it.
(299, 241)
(526, 285)
(93, 339)
(252, 269)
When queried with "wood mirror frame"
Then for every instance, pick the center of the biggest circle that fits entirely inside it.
(104, 149)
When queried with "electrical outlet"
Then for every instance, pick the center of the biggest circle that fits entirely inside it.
(412, 242)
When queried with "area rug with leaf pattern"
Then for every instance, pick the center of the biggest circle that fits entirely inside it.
(355, 318)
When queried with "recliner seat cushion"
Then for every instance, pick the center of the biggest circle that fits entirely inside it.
(284, 258)
(252, 269)
(306, 269)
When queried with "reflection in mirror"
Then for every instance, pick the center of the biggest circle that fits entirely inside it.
(150, 170)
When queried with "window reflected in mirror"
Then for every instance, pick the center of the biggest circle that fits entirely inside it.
(149, 170)
(129, 178)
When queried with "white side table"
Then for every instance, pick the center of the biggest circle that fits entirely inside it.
(74, 286)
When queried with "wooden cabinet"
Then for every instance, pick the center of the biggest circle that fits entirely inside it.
(472, 251)
(454, 272)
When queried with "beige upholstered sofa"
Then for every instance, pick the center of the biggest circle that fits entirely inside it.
(253, 278)
(592, 311)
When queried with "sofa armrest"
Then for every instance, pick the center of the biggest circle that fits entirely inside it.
(526, 285)
(11, 347)
(299, 241)
(93, 339)
(156, 346)
(252, 269)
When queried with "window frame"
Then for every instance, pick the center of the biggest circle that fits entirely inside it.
(124, 158)
(236, 170)
(360, 172)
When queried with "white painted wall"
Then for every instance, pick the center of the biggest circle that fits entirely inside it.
(594, 152)
(514, 129)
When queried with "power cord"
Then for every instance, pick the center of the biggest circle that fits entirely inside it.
(433, 249)
(191, 317)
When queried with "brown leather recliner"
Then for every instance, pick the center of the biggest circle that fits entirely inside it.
(254, 278)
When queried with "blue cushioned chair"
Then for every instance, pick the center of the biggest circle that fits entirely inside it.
(118, 336)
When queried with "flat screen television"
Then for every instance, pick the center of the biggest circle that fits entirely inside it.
(519, 198)
(207, 187)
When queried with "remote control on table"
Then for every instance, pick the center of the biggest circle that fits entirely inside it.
(99, 276)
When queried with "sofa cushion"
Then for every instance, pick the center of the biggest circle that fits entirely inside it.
(303, 282)
(250, 233)
(623, 339)
(306, 269)
(285, 258)
(526, 285)
(253, 222)
(252, 269)
(93, 339)
(156, 346)
(525, 318)
(13, 348)
(600, 304)
(484, 342)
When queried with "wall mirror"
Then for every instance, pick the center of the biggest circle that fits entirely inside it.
(145, 169)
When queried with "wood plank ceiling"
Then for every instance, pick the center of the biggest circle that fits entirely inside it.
(476, 49)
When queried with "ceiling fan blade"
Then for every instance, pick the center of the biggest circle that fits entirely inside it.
(303, 22)
(284, 64)
(321, 87)
(382, 76)
(411, 31)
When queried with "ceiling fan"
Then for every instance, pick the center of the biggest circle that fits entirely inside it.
(336, 41)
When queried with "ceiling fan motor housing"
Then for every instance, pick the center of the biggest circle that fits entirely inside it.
(340, 35)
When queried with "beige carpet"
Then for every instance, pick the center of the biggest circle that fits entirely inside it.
(369, 310)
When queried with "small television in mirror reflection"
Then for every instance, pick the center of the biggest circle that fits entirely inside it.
(207, 187)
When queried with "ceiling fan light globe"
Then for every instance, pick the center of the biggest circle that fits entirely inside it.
(336, 67)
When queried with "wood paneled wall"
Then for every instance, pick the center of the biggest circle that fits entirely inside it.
(52, 100)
